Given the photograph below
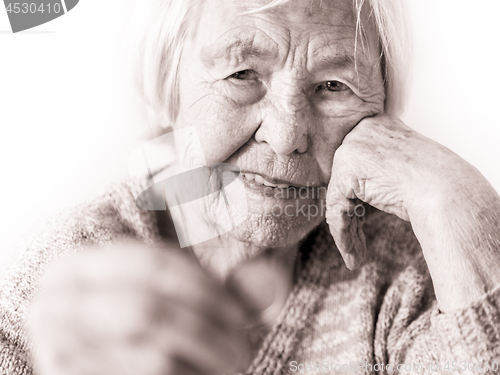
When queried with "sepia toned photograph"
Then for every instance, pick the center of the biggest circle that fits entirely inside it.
(258, 187)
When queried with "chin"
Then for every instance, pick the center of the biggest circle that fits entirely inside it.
(261, 221)
(258, 230)
(263, 230)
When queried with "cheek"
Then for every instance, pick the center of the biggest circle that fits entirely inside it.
(222, 125)
(331, 131)
(326, 140)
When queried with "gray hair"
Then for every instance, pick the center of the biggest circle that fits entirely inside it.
(172, 22)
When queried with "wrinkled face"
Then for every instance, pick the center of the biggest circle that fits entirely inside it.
(275, 92)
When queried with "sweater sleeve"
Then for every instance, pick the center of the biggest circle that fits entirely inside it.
(110, 216)
(410, 330)
(413, 333)
(468, 339)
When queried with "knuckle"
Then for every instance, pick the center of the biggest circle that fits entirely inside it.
(340, 155)
(368, 122)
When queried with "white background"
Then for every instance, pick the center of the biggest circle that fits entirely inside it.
(69, 118)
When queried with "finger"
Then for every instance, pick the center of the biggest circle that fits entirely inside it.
(345, 223)
(190, 286)
(172, 333)
(351, 187)
(133, 273)
(130, 328)
(167, 272)
(350, 243)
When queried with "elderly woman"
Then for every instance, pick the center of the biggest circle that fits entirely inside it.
(399, 271)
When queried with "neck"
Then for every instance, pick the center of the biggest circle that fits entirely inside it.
(223, 255)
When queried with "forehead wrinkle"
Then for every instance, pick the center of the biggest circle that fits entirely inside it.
(331, 60)
(339, 52)
(338, 61)
(237, 49)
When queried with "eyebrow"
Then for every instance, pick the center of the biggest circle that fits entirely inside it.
(236, 51)
(329, 59)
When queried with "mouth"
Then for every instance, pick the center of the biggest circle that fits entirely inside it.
(266, 181)
(281, 189)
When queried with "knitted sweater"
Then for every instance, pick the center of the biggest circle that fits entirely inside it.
(383, 313)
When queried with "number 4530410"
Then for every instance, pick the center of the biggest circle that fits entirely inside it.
(33, 8)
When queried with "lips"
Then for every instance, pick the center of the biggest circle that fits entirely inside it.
(260, 166)
(276, 182)
(258, 179)
(282, 189)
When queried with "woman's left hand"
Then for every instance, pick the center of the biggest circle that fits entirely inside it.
(454, 211)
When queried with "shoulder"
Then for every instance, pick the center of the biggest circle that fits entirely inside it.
(98, 221)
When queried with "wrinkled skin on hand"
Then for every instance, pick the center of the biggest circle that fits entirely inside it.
(378, 163)
(453, 209)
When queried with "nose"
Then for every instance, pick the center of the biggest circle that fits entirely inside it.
(285, 121)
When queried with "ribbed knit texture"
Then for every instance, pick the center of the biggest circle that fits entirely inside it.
(384, 312)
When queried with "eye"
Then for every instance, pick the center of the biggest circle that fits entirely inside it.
(244, 75)
(333, 86)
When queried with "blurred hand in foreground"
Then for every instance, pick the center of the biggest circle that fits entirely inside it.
(135, 310)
